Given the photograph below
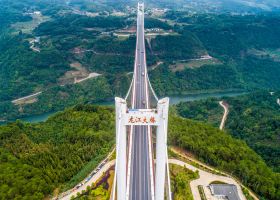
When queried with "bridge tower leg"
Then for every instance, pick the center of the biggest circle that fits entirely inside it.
(161, 148)
(121, 146)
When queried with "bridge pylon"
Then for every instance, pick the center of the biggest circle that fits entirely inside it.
(141, 117)
(162, 168)
(121, 148)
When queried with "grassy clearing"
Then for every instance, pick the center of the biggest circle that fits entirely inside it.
(266, 53)
(180, 66)
(274, 54)
(29, 26)
(201, 192)
(180, 182)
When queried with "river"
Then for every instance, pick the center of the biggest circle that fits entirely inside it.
(195, 97)
(173, 100)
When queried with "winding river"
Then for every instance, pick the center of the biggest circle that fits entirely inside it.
(173, 100)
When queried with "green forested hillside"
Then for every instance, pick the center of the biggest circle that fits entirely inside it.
(231, 39)
(59, 97)
(219, 149)
(231, 35)
(156, 23)
(211, 77)
(9, 15)
(73, 24)
(253, 118)
(12, 11)
(37, 158)
(24, 71)
(173, 47)
(207, 110)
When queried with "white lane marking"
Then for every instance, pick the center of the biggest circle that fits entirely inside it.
(140, 17)
(149, 130)
(135, 71)
(133, 106)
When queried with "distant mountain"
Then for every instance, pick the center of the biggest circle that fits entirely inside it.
(221, 5)
(253, 5)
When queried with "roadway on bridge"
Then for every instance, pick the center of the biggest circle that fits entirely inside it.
(140, 174)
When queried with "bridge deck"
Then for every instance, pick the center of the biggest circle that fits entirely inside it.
(140, 175)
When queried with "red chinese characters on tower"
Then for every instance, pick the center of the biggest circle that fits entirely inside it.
(141, 120)
(138, 120)
(145, 120)
(152, 120)
(131, 120)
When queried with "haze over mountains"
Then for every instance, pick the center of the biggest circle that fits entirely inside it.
(222, 5)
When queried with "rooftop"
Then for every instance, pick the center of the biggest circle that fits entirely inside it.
(227, 191)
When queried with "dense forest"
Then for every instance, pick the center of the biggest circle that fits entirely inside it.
(173, 47)
(253, 118)
(231, 39)
(207, 110)
(235, 34)
(23, 71)
(57, 98)
(38, 158)
(9, 15)
(211, 77)
(220, 150)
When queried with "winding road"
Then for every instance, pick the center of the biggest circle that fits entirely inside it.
(96, 177)
(98, 172)
(226, 111)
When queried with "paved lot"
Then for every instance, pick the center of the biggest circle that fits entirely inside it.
(205, 178)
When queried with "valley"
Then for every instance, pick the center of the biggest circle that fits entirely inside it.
(63, 62)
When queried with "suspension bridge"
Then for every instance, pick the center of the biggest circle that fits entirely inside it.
(141, 171)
